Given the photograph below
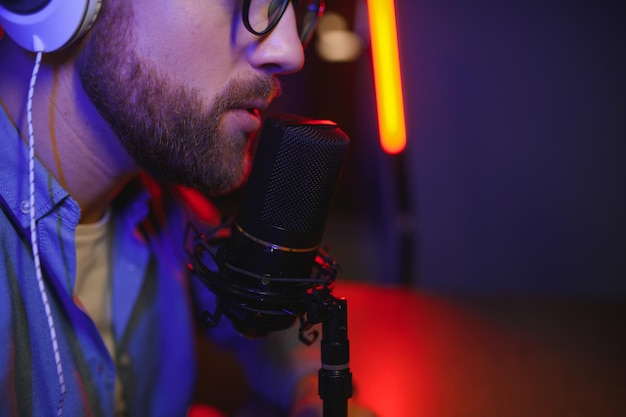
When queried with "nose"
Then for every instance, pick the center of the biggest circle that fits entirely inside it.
(280, 51)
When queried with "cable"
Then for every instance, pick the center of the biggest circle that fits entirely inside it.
(33, 228)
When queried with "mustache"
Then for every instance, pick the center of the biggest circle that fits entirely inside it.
(241, 92)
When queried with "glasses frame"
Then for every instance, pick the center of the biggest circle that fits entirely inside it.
(246, 19)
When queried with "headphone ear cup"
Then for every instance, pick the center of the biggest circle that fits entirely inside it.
(49, 28)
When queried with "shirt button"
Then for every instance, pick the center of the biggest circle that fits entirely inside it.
(124, 360)
(25, 206)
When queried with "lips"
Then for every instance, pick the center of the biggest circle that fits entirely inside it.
(247, 120)
(248, 115)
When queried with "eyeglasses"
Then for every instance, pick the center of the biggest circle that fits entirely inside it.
(261, 16)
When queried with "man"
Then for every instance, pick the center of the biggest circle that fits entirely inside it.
(168, 88)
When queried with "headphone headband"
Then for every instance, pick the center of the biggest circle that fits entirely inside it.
(47, 25)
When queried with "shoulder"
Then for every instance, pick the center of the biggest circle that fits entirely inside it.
(164, 211)
(170, 199)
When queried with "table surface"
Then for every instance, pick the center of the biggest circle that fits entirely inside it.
(416, 354)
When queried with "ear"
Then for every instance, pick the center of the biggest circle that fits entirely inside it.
(47, 25)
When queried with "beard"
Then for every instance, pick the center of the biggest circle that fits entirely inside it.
(166, 127)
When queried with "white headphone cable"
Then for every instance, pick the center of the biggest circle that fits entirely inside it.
(33, 226)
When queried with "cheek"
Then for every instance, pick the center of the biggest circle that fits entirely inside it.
(187, 41)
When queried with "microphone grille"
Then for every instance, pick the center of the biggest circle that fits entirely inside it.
(293, 179)
(303, 180)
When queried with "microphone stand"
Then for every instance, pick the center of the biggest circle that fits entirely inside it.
(335, 378)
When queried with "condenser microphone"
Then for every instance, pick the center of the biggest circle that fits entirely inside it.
(266, 267)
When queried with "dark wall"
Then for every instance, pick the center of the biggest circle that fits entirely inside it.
(517, 127)
(515, 167)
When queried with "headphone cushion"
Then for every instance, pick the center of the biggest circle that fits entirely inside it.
(24, 6)
(55, 26)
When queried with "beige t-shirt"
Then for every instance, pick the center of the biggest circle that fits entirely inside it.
(93, 284)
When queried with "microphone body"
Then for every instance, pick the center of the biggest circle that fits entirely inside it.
(266, 268)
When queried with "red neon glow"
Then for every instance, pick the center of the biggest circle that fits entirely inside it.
(387, 76)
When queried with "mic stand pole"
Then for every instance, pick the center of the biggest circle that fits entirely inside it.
(335, 378)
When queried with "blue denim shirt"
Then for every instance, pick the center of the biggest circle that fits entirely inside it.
(152, 310)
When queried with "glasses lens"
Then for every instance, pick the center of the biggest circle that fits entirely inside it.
(307, 16)
(263, 13)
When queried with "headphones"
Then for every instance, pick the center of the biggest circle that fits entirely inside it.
(47, 25)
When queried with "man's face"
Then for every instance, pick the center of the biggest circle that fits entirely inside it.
(181, 83)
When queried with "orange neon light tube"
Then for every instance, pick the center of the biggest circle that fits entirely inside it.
(387, 76)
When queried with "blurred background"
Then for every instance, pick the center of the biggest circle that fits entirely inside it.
(512, 180)
(485, 264)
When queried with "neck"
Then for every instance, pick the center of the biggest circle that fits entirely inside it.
(71, 139)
